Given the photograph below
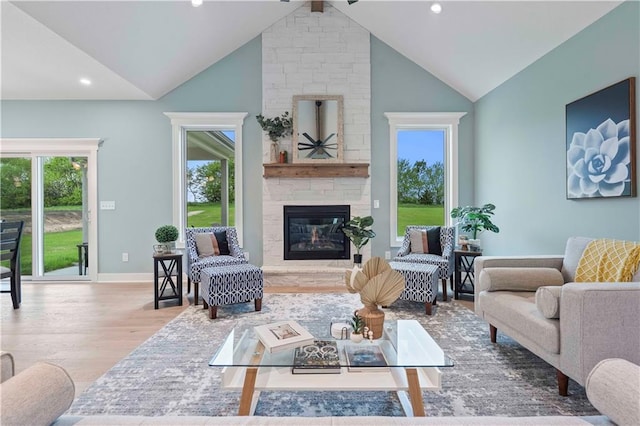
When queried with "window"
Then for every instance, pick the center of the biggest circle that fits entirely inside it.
(423, 164)
(217, 124)
(210, 178)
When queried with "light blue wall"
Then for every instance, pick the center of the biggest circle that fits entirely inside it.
(520, 142)
(399, 85)
(514, 159)
(134, 162)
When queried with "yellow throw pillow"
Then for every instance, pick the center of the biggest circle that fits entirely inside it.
(606, 260)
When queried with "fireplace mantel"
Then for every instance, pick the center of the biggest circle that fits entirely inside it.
(315, 170)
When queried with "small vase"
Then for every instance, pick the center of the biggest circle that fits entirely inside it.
(357, 259)
(374, 319)
(274, 152)
(171, 247)
(356, 338)
(475, 244)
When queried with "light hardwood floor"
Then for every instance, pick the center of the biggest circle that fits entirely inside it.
(87, 328)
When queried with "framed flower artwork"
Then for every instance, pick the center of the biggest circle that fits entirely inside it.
(601, 142)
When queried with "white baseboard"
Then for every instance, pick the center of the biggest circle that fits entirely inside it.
(146, 277)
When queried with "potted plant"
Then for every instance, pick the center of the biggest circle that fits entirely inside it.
(475, 220)
(359, 233)
(166, 235)
(357, 324)
(378, 285)
(276, 128)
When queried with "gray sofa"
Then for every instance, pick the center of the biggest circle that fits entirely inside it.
(42, 393)
(572, 326)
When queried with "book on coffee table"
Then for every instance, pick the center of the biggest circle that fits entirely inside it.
(365, 358)
(320, 357)
(283, 335)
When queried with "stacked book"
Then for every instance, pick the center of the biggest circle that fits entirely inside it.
(320, 357)
(283, 335)
(365, 358)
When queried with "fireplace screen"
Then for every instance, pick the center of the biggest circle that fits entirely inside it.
(315, 232)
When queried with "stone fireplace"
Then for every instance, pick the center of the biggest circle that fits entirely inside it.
(309, 53)
(315, 232)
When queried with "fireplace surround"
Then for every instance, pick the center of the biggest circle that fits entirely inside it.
(315, 232)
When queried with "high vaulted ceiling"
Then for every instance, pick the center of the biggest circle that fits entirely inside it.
(144, 49)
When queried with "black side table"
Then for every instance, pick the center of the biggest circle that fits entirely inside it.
(464, 271)
(171, 269)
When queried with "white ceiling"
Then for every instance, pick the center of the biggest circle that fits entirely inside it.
(144, 49)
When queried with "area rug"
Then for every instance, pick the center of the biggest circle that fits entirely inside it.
(168, 374)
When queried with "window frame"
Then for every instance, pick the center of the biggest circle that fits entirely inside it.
(447, 121)
(181, 123)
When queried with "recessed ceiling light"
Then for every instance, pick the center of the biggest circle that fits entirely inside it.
(196, 3)
(85, 82)
(436, 7)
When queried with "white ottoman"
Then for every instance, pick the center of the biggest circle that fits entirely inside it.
(226, 285)
(421, 282)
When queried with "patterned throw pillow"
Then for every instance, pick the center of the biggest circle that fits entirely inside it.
(206, 245)
(425, 241)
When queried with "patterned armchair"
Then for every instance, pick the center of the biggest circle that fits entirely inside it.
(195, 264)
(445, 262)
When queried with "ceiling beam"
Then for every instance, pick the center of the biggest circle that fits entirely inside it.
(317, 6)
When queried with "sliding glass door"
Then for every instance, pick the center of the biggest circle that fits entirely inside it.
(15, 202)
(64, 238)
(54, 194)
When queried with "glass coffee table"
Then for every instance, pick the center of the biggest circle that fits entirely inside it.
(413, 357)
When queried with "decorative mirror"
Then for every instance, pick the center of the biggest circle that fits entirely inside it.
(317, 128)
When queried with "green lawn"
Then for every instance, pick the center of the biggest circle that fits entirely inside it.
(415, 214)
(205, 214)
(60, 248)
(60, 251)
(408, 214)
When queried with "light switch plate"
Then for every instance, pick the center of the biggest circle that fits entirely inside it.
(107, 205)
